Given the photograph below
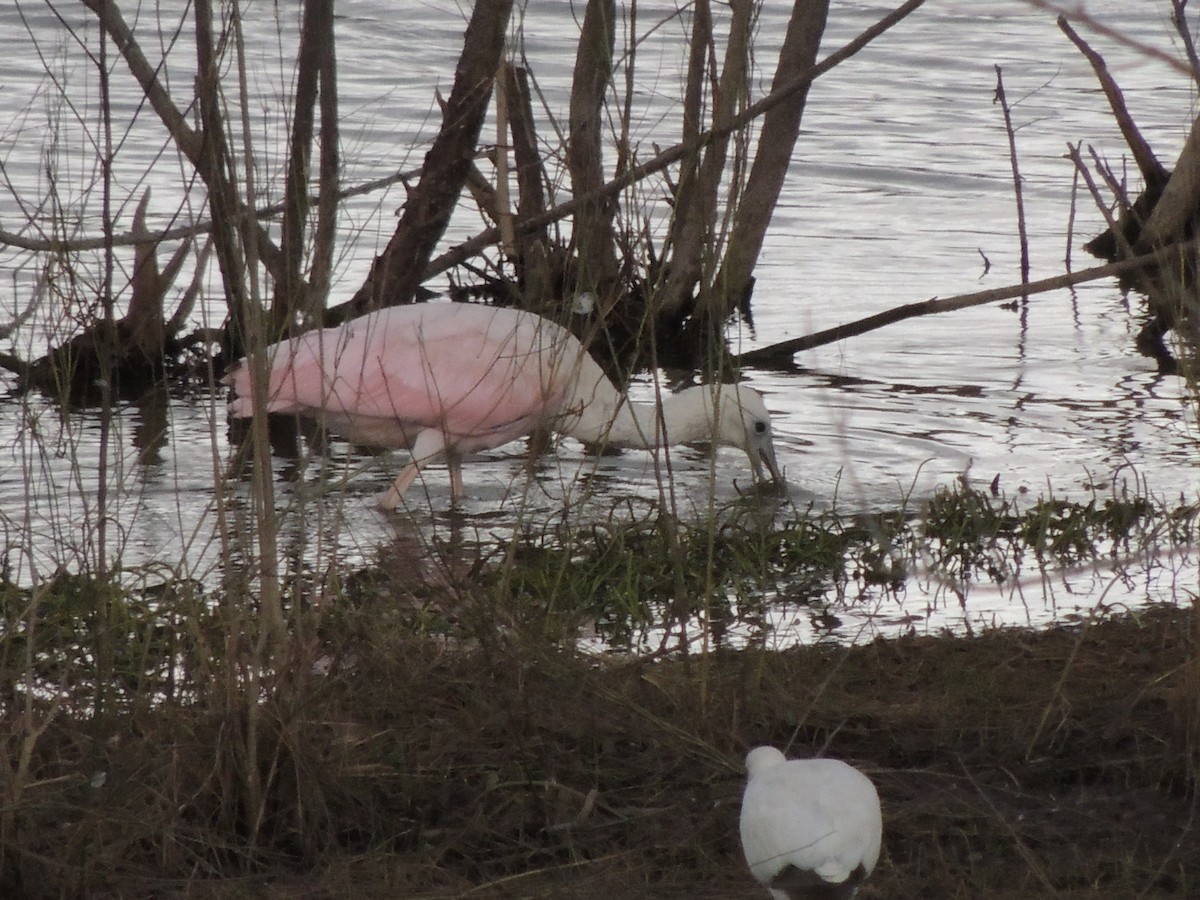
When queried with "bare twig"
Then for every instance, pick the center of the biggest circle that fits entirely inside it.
(203, 226)
(188, 300)
(1022, 234)
(205, 150)
(1114, 229)
(22, 317)
(1071, 213)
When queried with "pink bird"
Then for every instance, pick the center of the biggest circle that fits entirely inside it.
(448, 379)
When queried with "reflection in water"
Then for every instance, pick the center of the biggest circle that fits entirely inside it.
(150, 432)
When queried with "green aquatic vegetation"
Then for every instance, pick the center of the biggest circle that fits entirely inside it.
(637, 572)
(969, 533)
(1073, 531)
(100, 641)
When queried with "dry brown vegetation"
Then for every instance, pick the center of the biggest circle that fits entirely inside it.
(1011, 764)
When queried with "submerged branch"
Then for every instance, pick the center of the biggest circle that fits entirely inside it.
(777, 353)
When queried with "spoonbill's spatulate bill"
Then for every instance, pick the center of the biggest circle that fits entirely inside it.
(447, 379)
(811, 828)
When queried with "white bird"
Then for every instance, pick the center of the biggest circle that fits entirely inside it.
(811, 828)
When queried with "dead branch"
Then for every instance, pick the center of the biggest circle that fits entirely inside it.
(531, 250)
(198, 147)
(1153, 172)
(148, 288)
(146, 75)
(500, 161)
(1179, 20)
(776, 354)
(328, 179)
(1169, 201)
(1177, 207)
(188, 299)
(202, 226)
(687, 237)
(125, 356)
(215, 164)
(1078, 13)
(1081, 170)
(290, 295)
(24, 315)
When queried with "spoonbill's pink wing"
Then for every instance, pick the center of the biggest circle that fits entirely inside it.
(482, 376)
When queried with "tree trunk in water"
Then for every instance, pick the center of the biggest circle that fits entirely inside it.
(693, 229)
(780, 128)
(397, 272)
(592, 229)
(329, 181)
(291, 290)
(531, 250)
(213, 162)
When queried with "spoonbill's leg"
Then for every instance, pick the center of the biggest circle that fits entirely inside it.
(454, 463)
(391, 498)
(428, 446)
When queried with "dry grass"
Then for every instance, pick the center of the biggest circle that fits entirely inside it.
(1011, 764)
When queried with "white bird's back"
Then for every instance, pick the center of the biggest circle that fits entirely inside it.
(809, 828)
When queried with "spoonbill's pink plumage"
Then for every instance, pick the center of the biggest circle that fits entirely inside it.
(448, 379)
(811, 828)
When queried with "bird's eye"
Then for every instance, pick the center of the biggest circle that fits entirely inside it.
(760, 427)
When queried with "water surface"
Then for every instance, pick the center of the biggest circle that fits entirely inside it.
(900, 190)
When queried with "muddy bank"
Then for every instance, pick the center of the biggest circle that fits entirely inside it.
(1011, 764)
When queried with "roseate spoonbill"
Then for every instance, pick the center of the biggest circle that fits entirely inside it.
(811, 828)
(448, 379)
